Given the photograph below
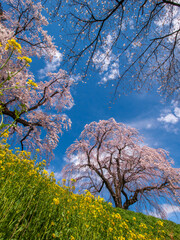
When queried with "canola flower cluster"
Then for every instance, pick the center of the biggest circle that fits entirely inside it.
(33, 206)
(12, 44)
(26, 59)
(32, 84)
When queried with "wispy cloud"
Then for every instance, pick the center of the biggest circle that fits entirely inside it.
(169, 119)
(144, 126)
(177, 112)
(51, 66)
(169, 209)
(106, 61)
(147, 123)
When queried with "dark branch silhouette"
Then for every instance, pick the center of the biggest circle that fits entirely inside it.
(142, 38)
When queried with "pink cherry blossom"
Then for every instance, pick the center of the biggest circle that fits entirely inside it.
(112, 156)
(41, 109)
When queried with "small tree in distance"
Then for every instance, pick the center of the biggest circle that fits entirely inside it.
(111, 155)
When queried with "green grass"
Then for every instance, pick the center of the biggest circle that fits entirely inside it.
(33, 206)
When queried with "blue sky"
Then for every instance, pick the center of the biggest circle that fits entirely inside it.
(157, 122)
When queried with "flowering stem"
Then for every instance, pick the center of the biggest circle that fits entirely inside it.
(18, 71)
(12, 88)
(7, 60)
(1, 119)
(8, 127)
(9, 77)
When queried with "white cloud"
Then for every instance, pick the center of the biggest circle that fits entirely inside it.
(169, 118)
(57, 175)
(147, 123)
(169, 209)
(177, 112)
(51, 66)
(170, 115)
(106, 61)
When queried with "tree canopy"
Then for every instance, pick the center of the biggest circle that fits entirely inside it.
(110, 155)
(37, 110)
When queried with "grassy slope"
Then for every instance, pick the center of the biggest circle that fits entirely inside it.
(33, 206)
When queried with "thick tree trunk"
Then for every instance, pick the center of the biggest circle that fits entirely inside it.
(118, 202)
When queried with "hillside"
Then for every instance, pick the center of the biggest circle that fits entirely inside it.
(33, 206)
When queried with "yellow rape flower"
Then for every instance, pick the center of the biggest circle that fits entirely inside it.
(140, 236)
(2, 168)
(13, 45)
(44, 162)
(63, 181)
(28, 60)
(100, 199)
(52, 174)
(52, 223)
(121, 238)
(45, 172)
(56, 201)
(31, 83)
(6, 47)
(118, 216)
(160, 223)
(142, 225)
(53, 235)
(73, 180)
(6, 134)
(72, 238)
